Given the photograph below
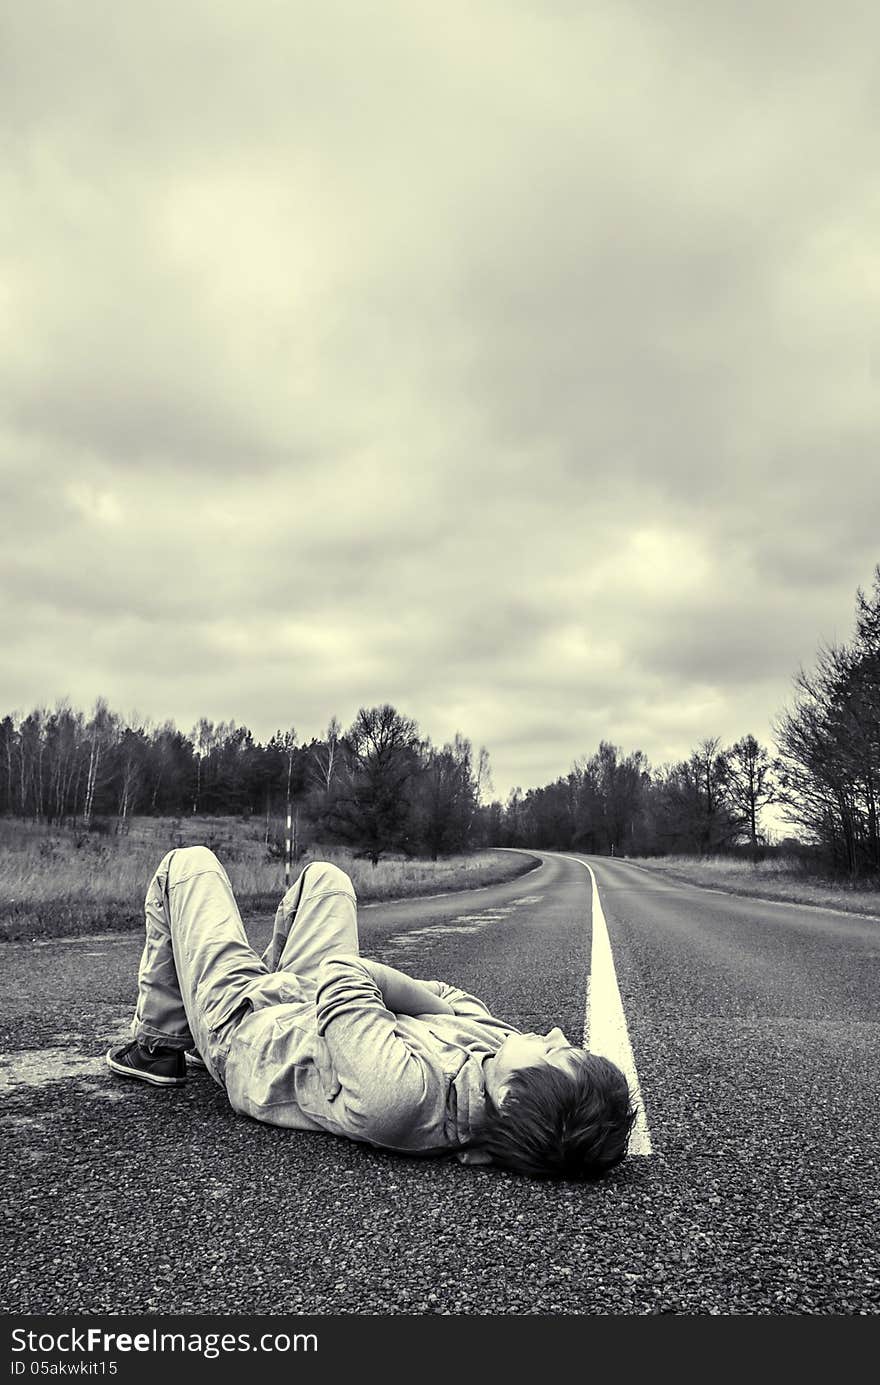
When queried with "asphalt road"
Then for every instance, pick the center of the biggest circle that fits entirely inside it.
(754, 1029)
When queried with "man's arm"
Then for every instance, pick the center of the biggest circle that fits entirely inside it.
(403, 994)
(388, 1091)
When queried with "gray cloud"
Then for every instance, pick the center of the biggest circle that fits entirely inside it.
(522, 369)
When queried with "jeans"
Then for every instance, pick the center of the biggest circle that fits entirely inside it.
(198, 973)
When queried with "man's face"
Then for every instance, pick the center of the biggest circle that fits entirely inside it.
(520, 1051)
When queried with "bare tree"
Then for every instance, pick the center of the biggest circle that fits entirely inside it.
(747, 776)
(829, 746)
(708, 764)
(131, 757)
(100, 732)
(689, 806)
(31, 749)
(484, 785)
(203, 736)
(445, 796)
(7, 726)
(370, 803)
(65, 735)
(327, 756)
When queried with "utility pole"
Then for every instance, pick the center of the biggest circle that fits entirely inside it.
(289, 743)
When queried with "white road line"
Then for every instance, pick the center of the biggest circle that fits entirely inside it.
(605, 1029)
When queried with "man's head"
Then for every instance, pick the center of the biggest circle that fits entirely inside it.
(553, 1110)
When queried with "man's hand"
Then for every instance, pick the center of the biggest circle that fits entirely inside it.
(329, 1081)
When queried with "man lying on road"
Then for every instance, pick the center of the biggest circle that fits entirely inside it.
(313, 1036)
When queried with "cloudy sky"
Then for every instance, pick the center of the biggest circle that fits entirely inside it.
(515, 363)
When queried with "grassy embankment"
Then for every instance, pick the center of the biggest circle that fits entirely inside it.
(55, 883)
(775, 878)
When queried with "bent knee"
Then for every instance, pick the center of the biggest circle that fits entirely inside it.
(325, 878)
(184, 861)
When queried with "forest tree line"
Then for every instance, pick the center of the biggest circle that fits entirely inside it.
(380, 786)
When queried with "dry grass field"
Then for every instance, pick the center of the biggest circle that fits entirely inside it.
(56, 882)
(777, 878)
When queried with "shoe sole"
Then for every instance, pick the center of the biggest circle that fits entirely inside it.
(153, 1078)
(194, 1060)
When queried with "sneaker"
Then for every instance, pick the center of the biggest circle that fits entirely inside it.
(194, 1059)
(163, 1068)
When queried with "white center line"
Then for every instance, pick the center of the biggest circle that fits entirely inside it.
(605, 1029)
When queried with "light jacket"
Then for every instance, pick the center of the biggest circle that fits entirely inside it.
(402, 1082)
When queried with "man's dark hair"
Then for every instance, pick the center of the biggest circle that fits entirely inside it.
(552, 1123)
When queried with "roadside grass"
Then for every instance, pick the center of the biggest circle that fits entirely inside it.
(56, 883)
(774, 878)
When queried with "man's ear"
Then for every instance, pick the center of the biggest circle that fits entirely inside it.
(474, 1156)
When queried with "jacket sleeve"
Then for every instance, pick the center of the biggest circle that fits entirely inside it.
(461, 1002)
(385, 1085)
